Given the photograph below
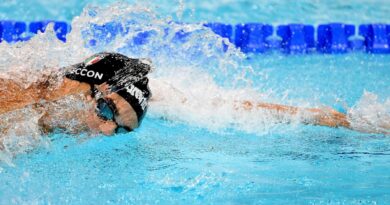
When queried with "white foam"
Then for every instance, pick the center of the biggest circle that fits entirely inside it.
(19, 132)
(25, 62)
(194, 80)
(193, 97)
(370, 114)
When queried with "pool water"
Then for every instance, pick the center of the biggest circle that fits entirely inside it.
(227, 11)
(172, 163)
(204, 155)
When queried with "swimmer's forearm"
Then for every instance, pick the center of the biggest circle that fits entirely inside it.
(314, 116)
(329, 118)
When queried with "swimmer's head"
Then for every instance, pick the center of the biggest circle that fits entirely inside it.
(106, 67)
(125, 76)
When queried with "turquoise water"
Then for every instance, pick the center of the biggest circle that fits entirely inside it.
(228, 11)
(209, 156)
(185, 165)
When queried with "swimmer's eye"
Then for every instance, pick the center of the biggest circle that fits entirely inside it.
(104, 109)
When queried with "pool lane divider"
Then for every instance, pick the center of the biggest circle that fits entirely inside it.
(377, 37)
(252, 37)
(297, 38)
(60, 28)
(249, 37)
(334, 38)
(16, 31)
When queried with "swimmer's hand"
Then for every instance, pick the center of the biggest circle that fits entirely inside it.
(378, 123)
(329, 117)
(372, 122)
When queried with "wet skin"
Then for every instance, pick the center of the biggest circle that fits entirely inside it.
(15, 96)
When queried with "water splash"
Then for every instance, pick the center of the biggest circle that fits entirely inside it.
(20, 133)
(199, 78)
(170, 44)
(370, 114)
(175, 49)
(22, 130)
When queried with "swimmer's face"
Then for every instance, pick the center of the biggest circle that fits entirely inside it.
(124, 116)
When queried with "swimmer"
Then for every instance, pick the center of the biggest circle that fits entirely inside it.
(114, 85)
(117, 89)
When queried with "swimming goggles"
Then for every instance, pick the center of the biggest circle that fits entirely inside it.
(106, 110)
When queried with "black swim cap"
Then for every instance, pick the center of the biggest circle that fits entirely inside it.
(125, 76)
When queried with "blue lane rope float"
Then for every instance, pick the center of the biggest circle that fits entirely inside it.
(224, 30)
(16, 31)
(252, 37)
(377, 37)
(249, 37)
(104, 33)
(296, 38)
(333, 38)
(12, 31)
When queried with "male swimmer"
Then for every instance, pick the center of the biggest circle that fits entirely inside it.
(117, 89)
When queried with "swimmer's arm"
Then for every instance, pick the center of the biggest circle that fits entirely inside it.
(162, 90)
(67, 87)
(315, 116)
(13, 95)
